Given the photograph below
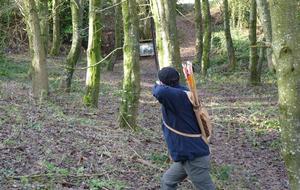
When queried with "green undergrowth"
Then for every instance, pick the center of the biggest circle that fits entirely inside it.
(219, 50)
(11, 70)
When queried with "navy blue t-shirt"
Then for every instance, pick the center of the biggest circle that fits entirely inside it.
(177, 112)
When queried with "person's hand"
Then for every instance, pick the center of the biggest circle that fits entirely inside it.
(158, 82)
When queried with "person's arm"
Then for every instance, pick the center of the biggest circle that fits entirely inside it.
(168, 96)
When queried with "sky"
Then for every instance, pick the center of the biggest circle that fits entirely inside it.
(186, 1)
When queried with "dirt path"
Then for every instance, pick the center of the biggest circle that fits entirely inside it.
(60, 144)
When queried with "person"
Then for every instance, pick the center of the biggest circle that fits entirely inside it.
(182, 135)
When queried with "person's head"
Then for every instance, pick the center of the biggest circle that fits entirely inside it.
(168, 76)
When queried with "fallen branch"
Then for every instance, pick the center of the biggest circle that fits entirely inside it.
(53, 175)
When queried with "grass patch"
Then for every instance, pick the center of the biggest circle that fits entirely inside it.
(13, 70)
(159, 159)
(97, 184)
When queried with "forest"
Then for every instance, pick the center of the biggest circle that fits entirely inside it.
(76, 104)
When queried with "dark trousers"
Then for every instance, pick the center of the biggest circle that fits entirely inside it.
(196, 170)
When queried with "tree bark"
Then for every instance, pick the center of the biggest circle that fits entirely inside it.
(39, 67)
(229, 43)
(286, 47)
(93, 55)
(199, 34)
(264, 14)
(164, 14)
(254, 75)
(56, 27)
(131, 81)
(74, 53)
(43, 13)
(207, 36)
(118, 34)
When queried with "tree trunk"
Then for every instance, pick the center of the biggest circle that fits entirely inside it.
(74, 53)
(93, 55)
(56, 27)
(262, 53)
(254, 75)
(164, 13)
(229, 44)
(118, 34)
(43, 14)
(144, 22)
(286, 47)
(199, 34)
(131, 81)
(264, 14)
(39, 67)
(207, 36)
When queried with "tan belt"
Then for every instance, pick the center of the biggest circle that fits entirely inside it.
(181, 133)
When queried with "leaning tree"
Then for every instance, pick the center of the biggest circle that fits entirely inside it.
(74, 53)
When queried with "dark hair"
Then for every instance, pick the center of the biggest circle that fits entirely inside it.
(168, 76)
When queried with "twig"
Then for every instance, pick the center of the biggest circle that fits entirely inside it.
(185, 17)
(59, 175)
(112, 6)
(83, 68)
(145, 162)
(218, 124)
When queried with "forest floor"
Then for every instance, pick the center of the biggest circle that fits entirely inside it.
(61, 144)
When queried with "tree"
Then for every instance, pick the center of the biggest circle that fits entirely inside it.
(207, 36)
(74, 53)
(285, 17)
(199, 34)
(43, 13)
(144, 19)
(39, 67)
(229, 43)
(93, 55)
(265, 17)
(118, 34)
(164, 14)
(131, 81)
(253, 66)
(56, 27)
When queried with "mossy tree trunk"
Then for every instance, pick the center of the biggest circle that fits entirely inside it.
(229, 43)
(265, 17)
(39, 67)
(285, 17)
(118, 34)
(43, 14)
(56, 5)
(253, 65)
(199, 34)
(164, 14)
(131, 81)
(207, 36)
(74, 53)
(93, 55)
